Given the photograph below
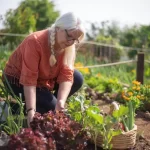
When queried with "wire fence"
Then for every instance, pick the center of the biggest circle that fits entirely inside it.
(85, 42)
(104, 50)
(106, 65)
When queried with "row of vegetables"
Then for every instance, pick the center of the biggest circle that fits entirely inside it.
(83, 123)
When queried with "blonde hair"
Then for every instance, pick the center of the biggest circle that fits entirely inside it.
(67, 21)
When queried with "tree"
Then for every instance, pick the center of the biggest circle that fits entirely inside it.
(144, 34)
(43, 11)
(105, 29)
(129, 36)
(136, 36)
(93, 32)
(30, 16)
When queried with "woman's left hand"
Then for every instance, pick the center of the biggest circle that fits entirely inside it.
(60, 106)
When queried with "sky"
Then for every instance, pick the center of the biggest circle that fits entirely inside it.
(125, 12)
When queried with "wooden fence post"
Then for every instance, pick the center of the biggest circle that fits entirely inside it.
(140, 68)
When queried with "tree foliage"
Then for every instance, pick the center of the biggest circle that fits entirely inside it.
(30, 16)
(111, 33)
(136, 36)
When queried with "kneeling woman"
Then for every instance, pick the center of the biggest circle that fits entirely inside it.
(42, 66)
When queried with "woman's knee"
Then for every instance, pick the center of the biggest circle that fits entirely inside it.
(78, 79)
(45, 100)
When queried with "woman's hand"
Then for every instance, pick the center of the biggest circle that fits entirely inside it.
(30, 116)
(60, 105)
(63, 92)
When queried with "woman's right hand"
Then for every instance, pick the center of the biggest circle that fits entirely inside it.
(30, 116)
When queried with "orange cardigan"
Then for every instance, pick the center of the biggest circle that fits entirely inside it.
(29, 63)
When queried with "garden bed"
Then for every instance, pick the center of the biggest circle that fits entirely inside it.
(142, 121)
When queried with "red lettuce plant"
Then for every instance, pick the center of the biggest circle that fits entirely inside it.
(51, 131)
(31, 141)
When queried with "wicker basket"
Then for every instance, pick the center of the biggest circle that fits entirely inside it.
(123, 141)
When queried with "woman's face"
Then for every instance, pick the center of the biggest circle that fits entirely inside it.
(65, 38)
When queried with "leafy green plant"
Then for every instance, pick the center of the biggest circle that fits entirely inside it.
(132, 54)
(145, 92)
(93, 121)
(132, 97)
(4, 55)
(93, 82)
(103, 84)
(122, 115)
(13, 123)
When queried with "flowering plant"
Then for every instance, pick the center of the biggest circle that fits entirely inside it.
(132, 97)
(93, 120)
(145, 92)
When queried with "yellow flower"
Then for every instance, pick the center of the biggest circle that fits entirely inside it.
(85, 70)
(130, 93)
(136, 82)
(126, 98)
(78, 64)
(133, 71)
(138, 96)
(134, 87)
(111, 81)
(138, 88)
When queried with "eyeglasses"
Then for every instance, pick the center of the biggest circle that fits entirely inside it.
(69, 38)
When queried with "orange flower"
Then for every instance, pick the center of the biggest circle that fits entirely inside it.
(78, 64)
(126, 98)
(136, 82)
(130, 93)
(138, 88)
(85, 70)
(98, 75)
(138, 96)
(123, 93)
(134, 87)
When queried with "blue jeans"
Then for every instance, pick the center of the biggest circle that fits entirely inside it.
(45, 99)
